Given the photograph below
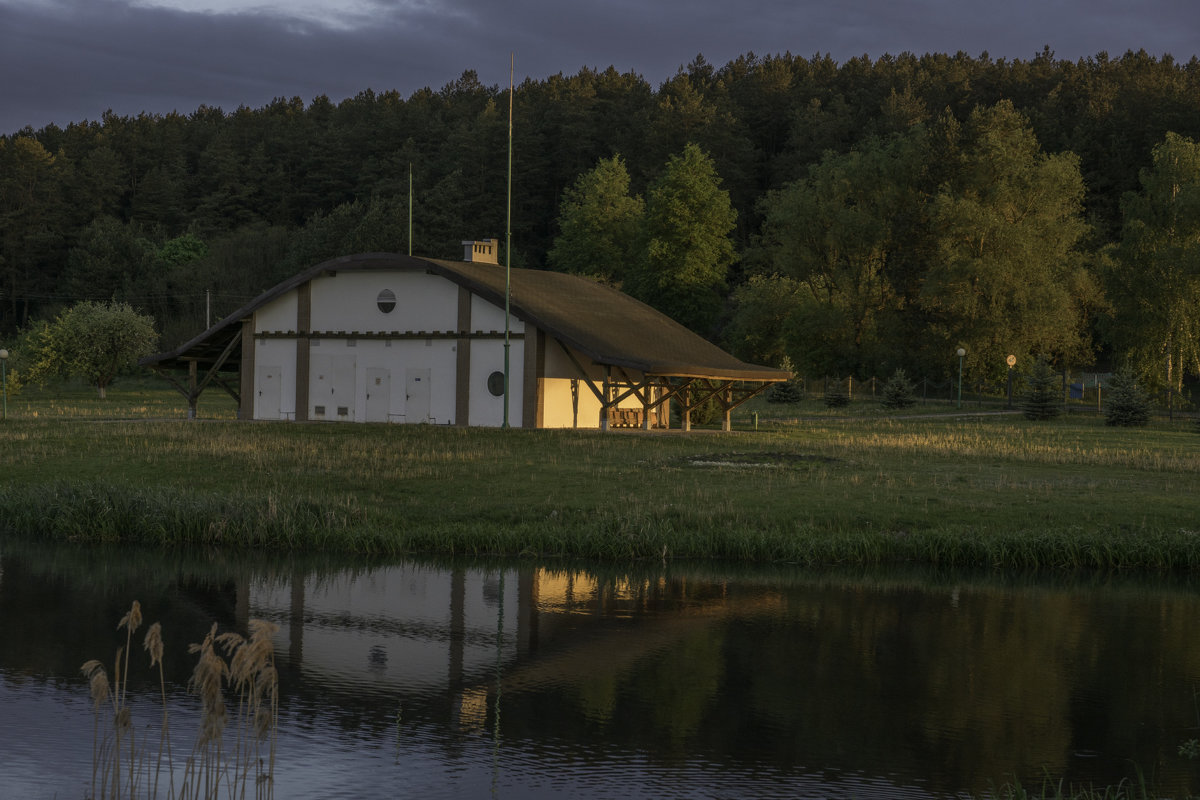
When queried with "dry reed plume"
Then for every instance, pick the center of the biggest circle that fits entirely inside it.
(234, 761)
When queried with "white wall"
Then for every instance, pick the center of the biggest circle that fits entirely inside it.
(347, 302)
(393, 361)
(277, 315)
(281, 355)
(487, 356)
(371, 377)
(487, 317)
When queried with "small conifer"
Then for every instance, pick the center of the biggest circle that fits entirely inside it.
(835, 397)
(899, 391)
(790, 390)
(1125, 403)
(1044, 400)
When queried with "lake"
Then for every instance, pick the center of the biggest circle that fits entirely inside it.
(525, 678)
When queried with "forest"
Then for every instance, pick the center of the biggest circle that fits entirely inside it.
(855, 217)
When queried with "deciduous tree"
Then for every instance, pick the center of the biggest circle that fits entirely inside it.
(92, 341)
(598, 223)
(1009, 274)
(687, 250)
(1156, 284)
(836, 233)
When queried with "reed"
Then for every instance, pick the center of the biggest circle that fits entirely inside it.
(1058, 790)
(125, 767)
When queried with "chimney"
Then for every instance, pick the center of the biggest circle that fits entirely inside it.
(485, 252)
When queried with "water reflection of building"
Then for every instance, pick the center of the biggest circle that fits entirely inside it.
(430, 632)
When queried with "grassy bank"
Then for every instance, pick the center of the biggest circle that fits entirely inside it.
(986, 490)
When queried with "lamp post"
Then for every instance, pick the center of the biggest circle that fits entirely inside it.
(961, 353)
(4, 383)
(1012, 362)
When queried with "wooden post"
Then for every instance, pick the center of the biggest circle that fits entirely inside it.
(687, 409)
(574, 402)
(605, 401)
(192, 394)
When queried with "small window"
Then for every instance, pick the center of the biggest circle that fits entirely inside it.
(318, 411)
(343, 411)
(386, 301)
(495, 383)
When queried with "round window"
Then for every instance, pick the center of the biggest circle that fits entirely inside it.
(386, 301)
(496, 383)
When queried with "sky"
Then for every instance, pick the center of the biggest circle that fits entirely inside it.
(65, 61)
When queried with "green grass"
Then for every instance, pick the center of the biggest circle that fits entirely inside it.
(942, 489)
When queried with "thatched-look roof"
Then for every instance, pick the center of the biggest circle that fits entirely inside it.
(606, 325)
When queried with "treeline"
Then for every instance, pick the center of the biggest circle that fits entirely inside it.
(863, 194)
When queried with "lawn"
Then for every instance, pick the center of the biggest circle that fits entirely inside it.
(809, 485)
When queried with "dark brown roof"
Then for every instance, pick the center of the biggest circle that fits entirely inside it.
(608, 326)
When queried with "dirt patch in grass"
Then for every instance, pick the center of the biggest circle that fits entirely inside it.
(752, 460)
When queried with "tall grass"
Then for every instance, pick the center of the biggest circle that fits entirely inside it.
(987, 491)
(226, 761)
(1056, 790)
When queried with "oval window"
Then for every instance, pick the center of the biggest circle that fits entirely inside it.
(386, 301)
(496, 383)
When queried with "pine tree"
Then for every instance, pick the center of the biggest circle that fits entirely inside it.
(1044, 400)
(1126, 404)
(899, 391)
(790, 390)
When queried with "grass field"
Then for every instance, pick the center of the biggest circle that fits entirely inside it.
(809, 485)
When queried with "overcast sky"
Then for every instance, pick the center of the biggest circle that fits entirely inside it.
(70, 60)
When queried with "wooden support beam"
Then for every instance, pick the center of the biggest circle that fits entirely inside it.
(582, 372)
(605, 403)
(193, 392)
(220, 362)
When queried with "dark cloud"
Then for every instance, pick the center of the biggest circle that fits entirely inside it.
(69, 60)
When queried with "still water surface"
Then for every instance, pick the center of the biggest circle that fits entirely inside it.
(530, 679)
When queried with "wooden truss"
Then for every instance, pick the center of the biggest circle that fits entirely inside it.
(196, 384)
(653, 392)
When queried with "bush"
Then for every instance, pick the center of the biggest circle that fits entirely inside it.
(835, 397)
(1044, 400)
(899, 391)
(1126, 404)
(786, 392)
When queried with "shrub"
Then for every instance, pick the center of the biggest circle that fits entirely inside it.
(1126, 404)
(1044, 400)
(786, 392)
(835, 397)
(899, 391)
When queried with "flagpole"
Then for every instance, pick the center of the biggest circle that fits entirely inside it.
(508, 238)
(410, 208)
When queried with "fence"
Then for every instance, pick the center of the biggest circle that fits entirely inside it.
(1081, 391)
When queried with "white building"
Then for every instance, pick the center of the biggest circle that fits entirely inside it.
(391, 338)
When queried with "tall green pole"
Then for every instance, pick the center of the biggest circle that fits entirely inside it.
(508, 238)
(961, 353)
(4, 382)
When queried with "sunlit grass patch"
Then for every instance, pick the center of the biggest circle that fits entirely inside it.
(983, 490)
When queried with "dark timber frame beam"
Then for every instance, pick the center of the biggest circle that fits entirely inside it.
(194, 387)
(655, 390)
